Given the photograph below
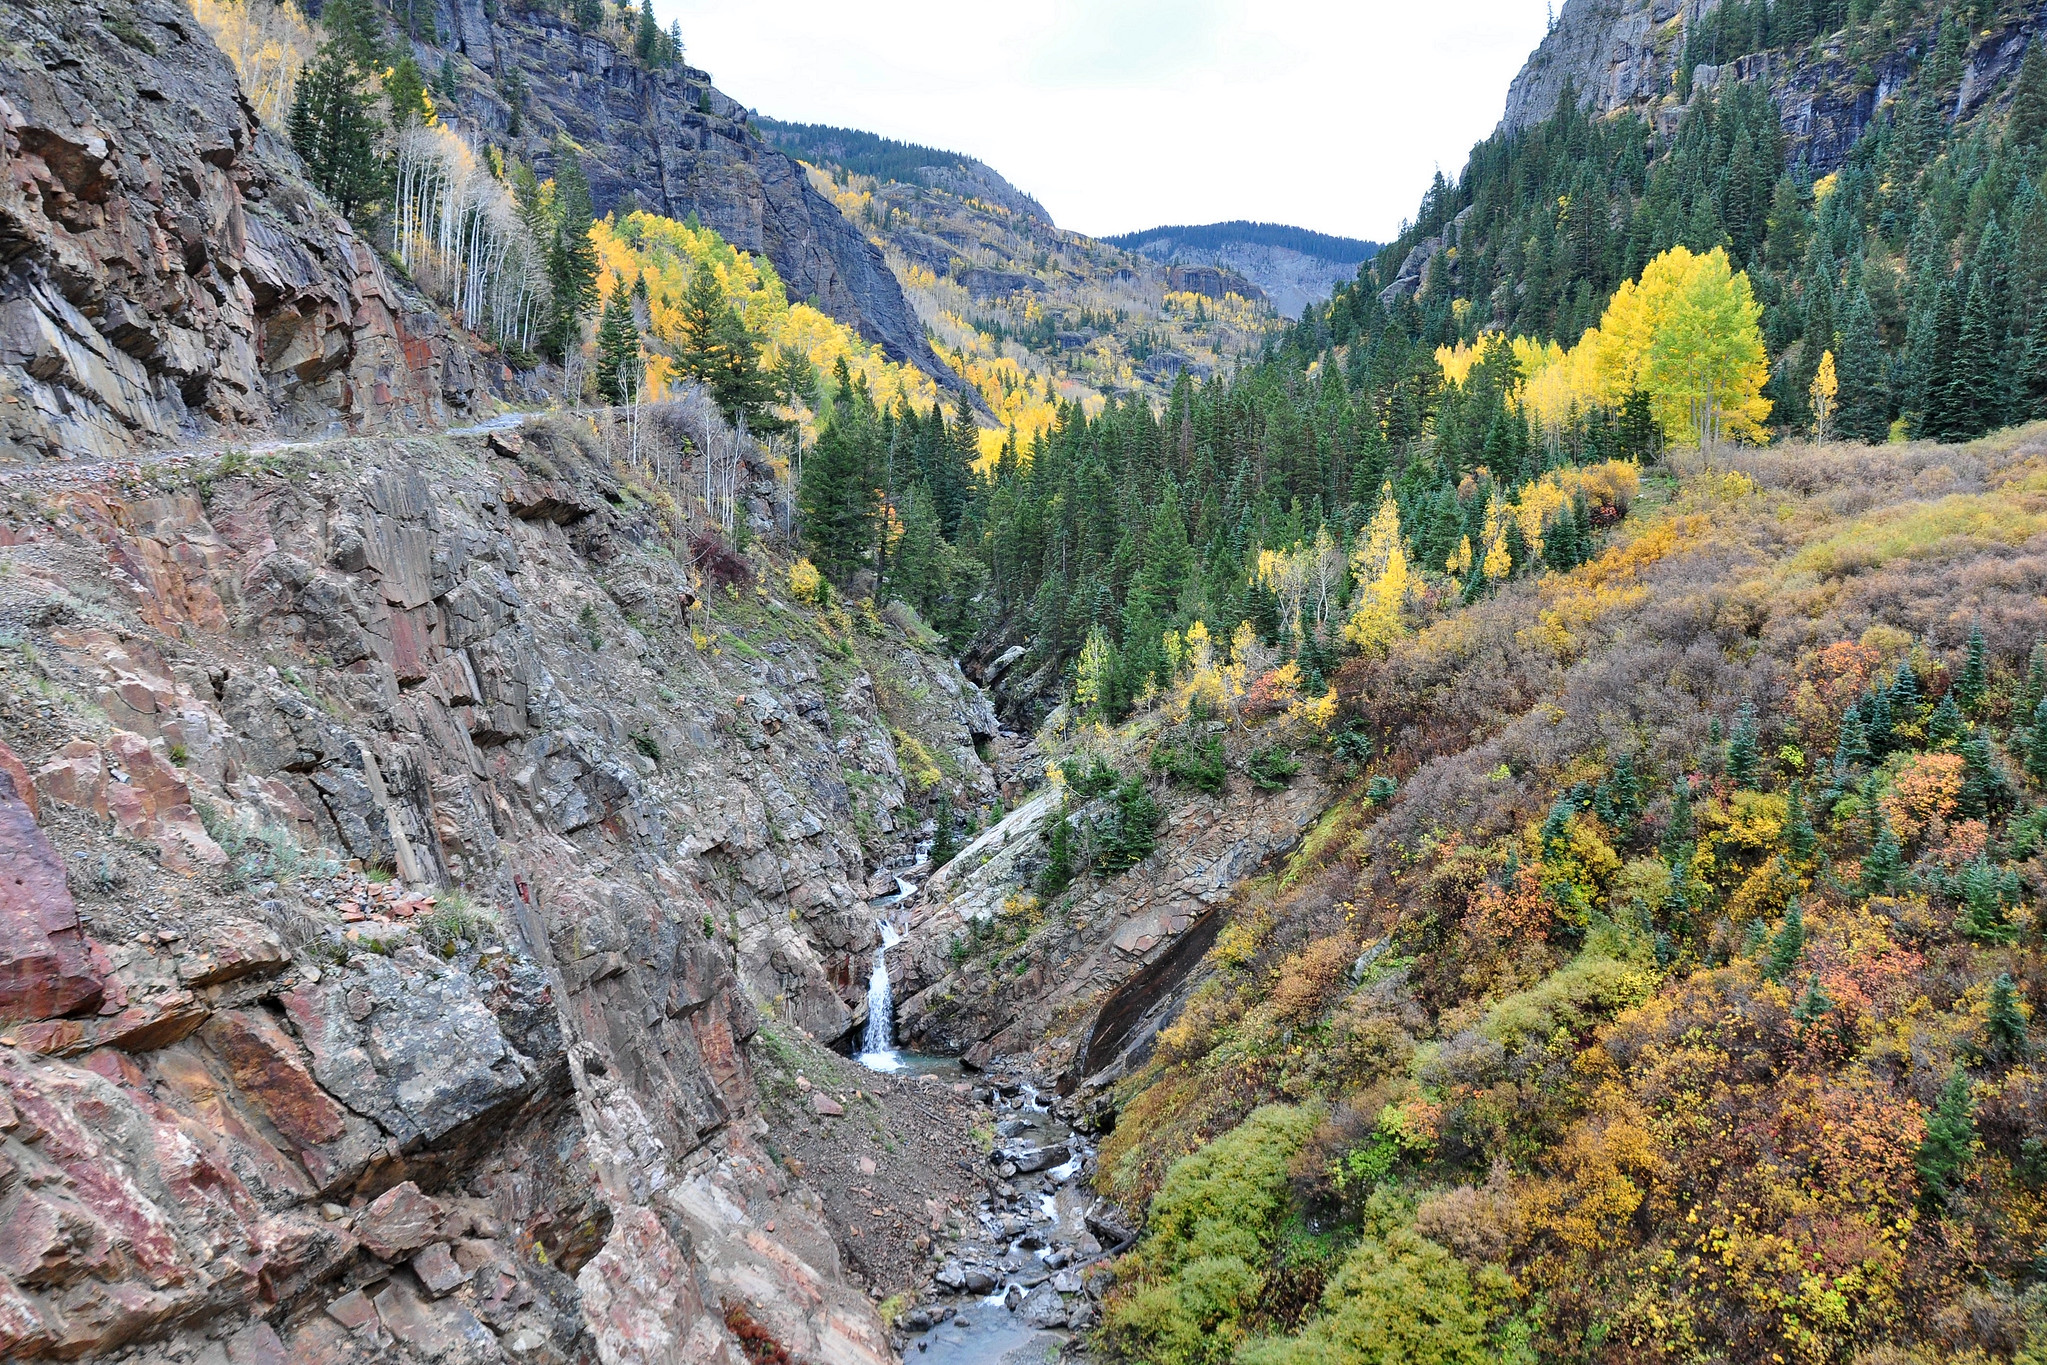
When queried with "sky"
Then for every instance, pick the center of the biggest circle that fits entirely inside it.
(1127, 114)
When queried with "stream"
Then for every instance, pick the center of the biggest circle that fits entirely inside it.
(1011, 1291)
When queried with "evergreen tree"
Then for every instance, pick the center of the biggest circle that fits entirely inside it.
(1946, 724)
(1948, 1147)
(944, 838)
(1973, 398)
(1677, 832)
(2028, 118)
(1743, 758)
(1788, 945)
(1975, 675)
(405, 88)
(839, 496)
(2004, 1026)
(1862, 371)
(620, 367)
(1800, 837)
(1852, 748)
(571, 256)
(1885, 863)
(2036, 745)
(333, 124)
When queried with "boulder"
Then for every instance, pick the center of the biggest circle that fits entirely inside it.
(398, 1222)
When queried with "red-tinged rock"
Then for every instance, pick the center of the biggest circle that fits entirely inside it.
(23, 1332)
(76, 776)
(158, 1021)
(55, 1038)
(640, 1296)
(23, 788)
(45, 966)
(233, 950)
(399, 1222)
(353, 1310)
(821, 1103)
(267, 1068)
(437, 1270)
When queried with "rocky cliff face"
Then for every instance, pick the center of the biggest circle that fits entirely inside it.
(666, 141)
(167, 279)
(407, 872)
(1625, 55)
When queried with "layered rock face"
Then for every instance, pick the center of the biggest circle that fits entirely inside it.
(403, 870)
(666, 141)
(167, 278)
(1088, 992)
(1625, 54)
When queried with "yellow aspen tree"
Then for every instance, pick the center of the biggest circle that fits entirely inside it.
(1688, 334)
(1380, 566)
(1826, 387)
(1097, 659)
(1496, 563)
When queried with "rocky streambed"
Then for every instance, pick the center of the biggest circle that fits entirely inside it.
(1022, 1280)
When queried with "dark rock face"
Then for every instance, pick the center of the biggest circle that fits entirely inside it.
(1625, 54)
(166, 278)
(666, 141)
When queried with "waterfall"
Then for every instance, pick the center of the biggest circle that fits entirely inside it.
(878, 1050)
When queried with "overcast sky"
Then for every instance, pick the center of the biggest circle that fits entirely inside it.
(1125, 114)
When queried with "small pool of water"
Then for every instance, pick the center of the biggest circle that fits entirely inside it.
(896, 1062)
(994, 1336)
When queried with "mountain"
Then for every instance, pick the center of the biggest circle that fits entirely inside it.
(1503, 819)
(1030, 315)
(662, 138)
(1292, 266)
(886, 159)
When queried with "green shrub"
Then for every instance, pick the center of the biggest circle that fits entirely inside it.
(1398, 1299)
(1199, 766)
(1271, 767)
(1183, 1294)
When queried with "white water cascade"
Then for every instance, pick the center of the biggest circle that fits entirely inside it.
(878, 1049)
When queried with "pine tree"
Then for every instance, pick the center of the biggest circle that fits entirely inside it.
(1973, 399)
(1946, 1150)
(1677, 831)
(1863, 373)
(1743, 759)
(1975, 676)
(334, 127)
(2004, 1025)
(1800, 837)
(571, 257)
(1852, 748)
(1788, 945)
(2034, 690)
(944, 840)
(2028, 118)
(1885, 863)
(2036, 745)
(1813, 1006)
(620, 367)
(405, 88)
(1946, 725)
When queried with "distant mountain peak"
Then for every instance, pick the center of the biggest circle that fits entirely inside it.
(1292, 266)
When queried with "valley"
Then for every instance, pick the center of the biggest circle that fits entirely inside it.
(633, 733)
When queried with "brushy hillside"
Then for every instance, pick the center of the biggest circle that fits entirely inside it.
(1677, 1002)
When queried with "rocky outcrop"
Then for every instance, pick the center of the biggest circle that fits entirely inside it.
(1060, 996)
(523, 843)
(1619, 55)
(666, 141)
(167, 278)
